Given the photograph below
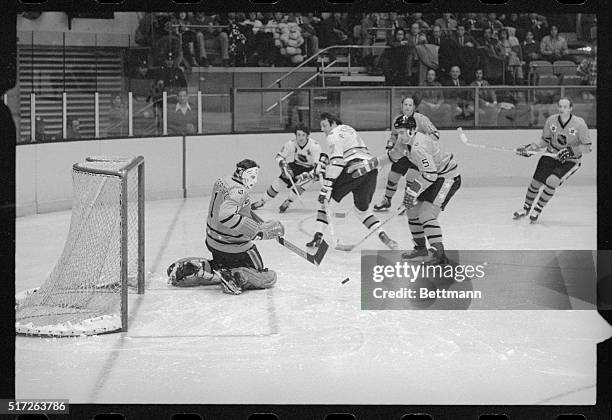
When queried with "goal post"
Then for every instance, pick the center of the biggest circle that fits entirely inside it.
(103, 257)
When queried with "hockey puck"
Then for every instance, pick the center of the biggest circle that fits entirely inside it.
(345, 280)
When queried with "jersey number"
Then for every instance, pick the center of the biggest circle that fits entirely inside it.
(425, 163)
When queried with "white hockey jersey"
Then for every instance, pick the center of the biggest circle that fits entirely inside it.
(345, 145)
(306, 156)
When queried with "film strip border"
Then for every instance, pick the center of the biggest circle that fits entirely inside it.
(602, 409)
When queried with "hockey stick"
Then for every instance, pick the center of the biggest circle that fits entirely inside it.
(315, 258)
(293, 186)
(349, 248)
(465, 141)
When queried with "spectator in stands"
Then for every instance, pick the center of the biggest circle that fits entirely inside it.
(512, 53)
(174, 77)
(530, 49)
(73, 128)
(418, 18)
(436, 35)
(156, 99)
(431, 99)
(491, 45)
(446, 23)
(486, 97)
(187, 36)
(491, 22)
(398, 58)
(458, 96)
(539, 26)
(583, 70)
(251, 25)
(212, 32)
(117, 118)
(454, 77)
(511, 21)
(553, 47)
(182, 120)
(462, 39)
(470, 23)
(236, 41)
(341, 27)
(309, 32)
(395, 22)
(40, 130)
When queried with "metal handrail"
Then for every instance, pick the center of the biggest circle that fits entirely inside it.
(304, 83)
(320, 52)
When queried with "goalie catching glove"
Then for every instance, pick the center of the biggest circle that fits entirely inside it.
(565, 154)
(270, 230)
(363, 167)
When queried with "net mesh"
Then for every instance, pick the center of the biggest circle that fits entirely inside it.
(83, 292)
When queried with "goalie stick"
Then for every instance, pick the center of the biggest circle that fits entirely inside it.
(349, 248)
(315, 258)
(465, 141)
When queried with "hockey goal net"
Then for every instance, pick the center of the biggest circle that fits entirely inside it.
(87, 291)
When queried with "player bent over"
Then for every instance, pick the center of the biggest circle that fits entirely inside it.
(403, 166)
(346, 148)
(297, 157)
(565, 134)
(429, 193)
(230, 232)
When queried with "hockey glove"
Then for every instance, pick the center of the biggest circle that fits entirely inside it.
(270, 230)
(524, 151)
(304, 176)
(566, 153)
(363, 167)
(326, 190)
(410, 196)
(321, 165)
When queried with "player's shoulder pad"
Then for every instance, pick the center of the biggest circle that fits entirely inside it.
(237, 190)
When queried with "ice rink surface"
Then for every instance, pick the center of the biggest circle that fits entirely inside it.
(306, 341)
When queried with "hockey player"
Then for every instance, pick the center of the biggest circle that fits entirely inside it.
(346, 148)
(298, 156)
(404, 166)
(565, 134)
(230, 232)
(429, 193)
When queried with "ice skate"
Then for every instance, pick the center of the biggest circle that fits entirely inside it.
(386, 240)
(384, 205)
(519, 214)
(438, 256)
(533, 217)
(418, 252)
(283, 207)
(316, 241)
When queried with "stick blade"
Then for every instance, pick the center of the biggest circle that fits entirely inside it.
(320, 254)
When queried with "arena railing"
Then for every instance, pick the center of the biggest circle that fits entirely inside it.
(367, 108)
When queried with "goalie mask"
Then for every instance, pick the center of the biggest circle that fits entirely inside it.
(247, 172)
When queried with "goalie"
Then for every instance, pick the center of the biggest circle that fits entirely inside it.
(297, 160)
(230, 232)
(565, 134)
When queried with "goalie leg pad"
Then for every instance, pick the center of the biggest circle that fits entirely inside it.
(190, 272)
(249, 278)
